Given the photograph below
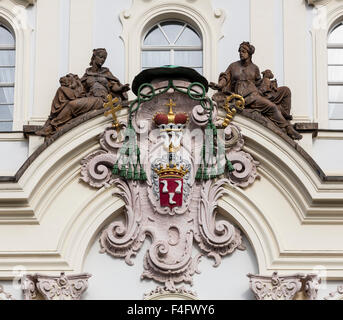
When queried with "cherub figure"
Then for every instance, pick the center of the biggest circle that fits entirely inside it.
(268, 85)
(269, 88)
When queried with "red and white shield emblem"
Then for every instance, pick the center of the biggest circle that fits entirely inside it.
(171, 190)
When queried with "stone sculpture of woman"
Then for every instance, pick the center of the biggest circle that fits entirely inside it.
(99, 81)
(78, 96)
(243, 77)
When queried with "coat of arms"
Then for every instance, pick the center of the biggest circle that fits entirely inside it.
(174, 157)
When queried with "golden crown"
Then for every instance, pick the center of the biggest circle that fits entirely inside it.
(171, 172)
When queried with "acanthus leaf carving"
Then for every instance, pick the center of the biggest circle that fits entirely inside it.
(121, 240)
(216, 238)
(63, 287)
(336, 295)
(277, 287)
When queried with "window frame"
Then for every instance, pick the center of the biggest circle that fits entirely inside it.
(173, 48)
(334, 83)
(327, 15)
(13, 16)
(7, 84)
(143, 15)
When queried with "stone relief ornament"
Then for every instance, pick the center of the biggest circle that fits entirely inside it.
(277, 287)
(171, 162)
(4, 295)
(42, 287)
(161, 293)
(336, 295)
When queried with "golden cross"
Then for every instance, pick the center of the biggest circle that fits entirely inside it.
(171, 104)
(110, 104)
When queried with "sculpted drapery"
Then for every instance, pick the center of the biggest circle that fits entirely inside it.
(77, 96)
(243, 77)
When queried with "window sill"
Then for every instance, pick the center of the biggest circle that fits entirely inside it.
(336, 134)
(12, 136)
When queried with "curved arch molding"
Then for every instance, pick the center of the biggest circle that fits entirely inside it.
(293, 219)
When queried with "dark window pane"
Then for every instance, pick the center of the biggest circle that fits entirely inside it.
(6, 126)
(155, 37)
(6, 37)
(7, 75)
(6, 112)
(155, 58)
(7, 58)
(191, 59)
(335, 56)
(172, 29)
(189, 38)
(335, 74)
(7, 95)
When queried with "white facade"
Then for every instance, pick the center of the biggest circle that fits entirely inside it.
(50, 221)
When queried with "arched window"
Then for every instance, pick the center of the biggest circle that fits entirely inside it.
(335, 76)
(7, 73)
(172, 43)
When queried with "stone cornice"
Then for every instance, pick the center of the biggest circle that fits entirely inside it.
(317, 2)
(25, 3)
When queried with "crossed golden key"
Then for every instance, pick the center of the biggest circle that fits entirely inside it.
(113, 110)
(231, 112)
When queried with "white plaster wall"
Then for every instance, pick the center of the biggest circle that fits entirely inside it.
(329, 155)
(236, 29)
(113, 279)
(107, 30)
(13, 154)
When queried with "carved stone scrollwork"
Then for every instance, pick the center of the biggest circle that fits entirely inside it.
(200, 116)
(164, 293)
(311, 285)
(336, 295)
(277, 287)
(29, 288)
(245, 172)
(216, 238)
(41, 287)
(121, 240)
(4, 295)
(96, 168)
(174, 202)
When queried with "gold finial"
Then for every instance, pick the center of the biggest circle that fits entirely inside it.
(171, 115)
(110, 104)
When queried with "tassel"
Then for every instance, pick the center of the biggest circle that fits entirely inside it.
(143, 174)
(229, 166)
(129, 173)
(123, 171)
(220, 170)
(215, 132)
(199, 173)
(205, 176)
(136, 174)
(115, 170)
(213, 173)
